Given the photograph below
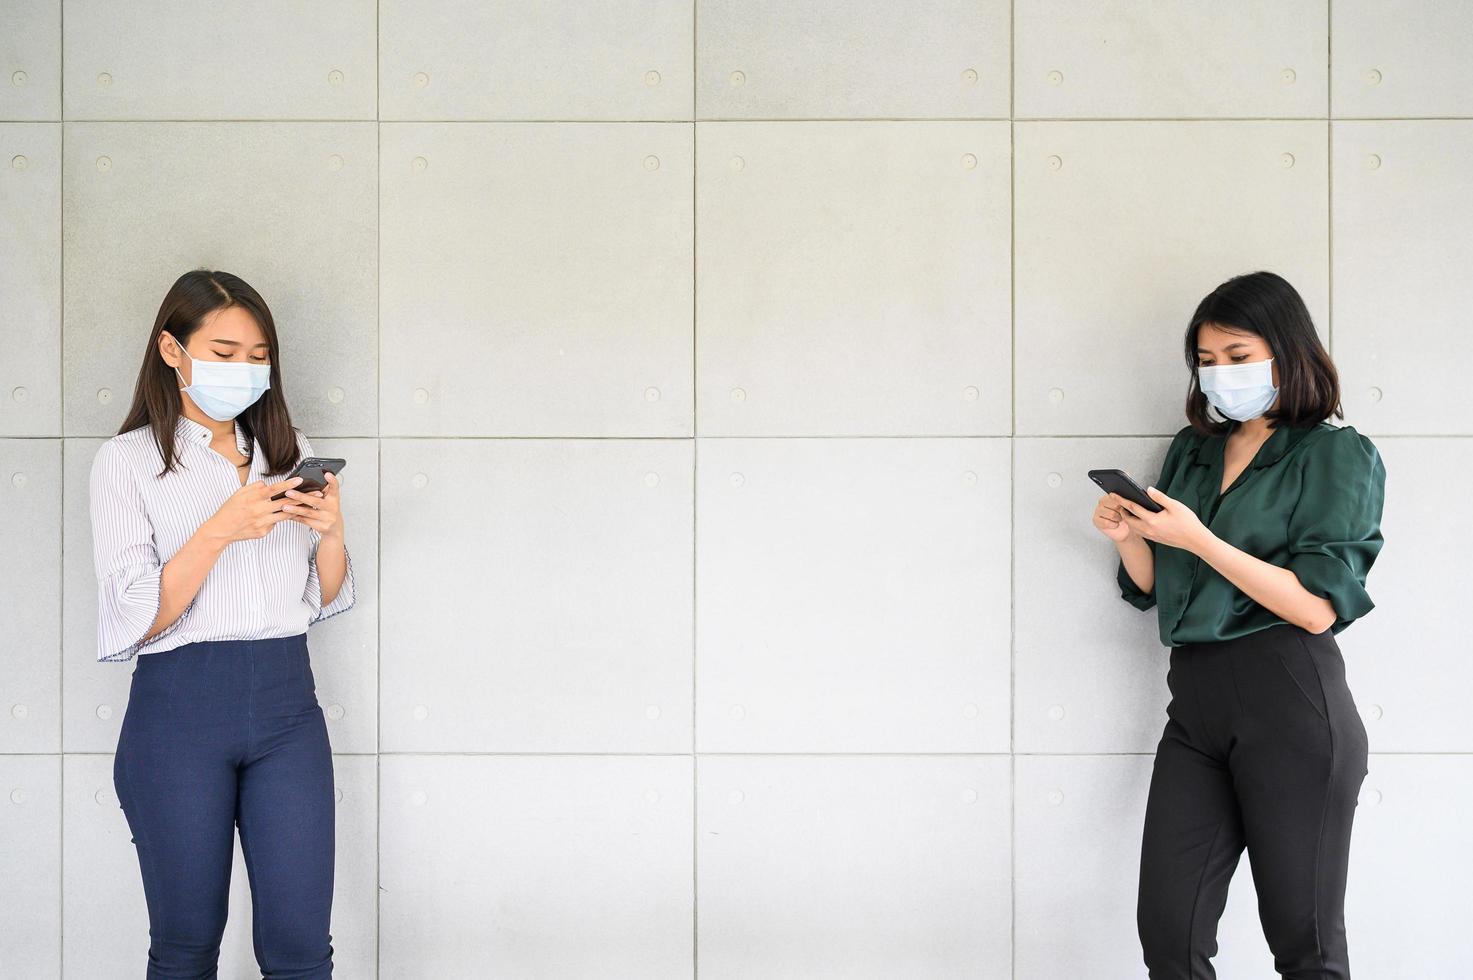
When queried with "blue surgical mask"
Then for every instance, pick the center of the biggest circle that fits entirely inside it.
(1239, 391)
(224, 389)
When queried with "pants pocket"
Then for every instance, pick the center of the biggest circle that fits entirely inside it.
(1298, 663)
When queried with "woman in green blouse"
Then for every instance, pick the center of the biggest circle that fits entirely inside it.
(1271, 522)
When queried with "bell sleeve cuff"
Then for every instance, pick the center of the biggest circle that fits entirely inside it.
(126, 561)
(347, 592)
(127, 603)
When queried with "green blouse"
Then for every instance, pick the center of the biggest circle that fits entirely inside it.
(1309, 501)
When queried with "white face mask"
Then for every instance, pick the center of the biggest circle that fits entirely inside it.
(224, 389)
(1239, 391)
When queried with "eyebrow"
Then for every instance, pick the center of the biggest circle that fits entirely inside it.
(1240, 343)
(234, 343)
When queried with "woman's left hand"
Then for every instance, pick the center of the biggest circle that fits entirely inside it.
(1177, 525)
(318, 509)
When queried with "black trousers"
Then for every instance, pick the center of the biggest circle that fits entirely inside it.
(1263, 748)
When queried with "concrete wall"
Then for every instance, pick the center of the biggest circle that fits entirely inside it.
(718, 381)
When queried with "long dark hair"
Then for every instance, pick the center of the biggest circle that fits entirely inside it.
(1265, 304)
(156, 398)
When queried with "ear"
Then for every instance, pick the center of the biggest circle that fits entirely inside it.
(174, 360)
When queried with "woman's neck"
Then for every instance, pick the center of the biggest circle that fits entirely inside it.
(1253, 430)
(219, 430)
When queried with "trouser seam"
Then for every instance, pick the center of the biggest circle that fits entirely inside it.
(1324, 811)
(245, 853)
(1325, 714)
(1319, 846)
(1197, 895)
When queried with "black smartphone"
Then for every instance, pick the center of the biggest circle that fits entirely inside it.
(311, 471)
(1118, 481)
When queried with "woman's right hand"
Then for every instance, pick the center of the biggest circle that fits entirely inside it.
(1107, 518)
(250, 512)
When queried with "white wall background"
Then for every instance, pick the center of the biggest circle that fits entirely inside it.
(718, 381)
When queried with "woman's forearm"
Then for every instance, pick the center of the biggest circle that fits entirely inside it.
(1276, 589)
(332, 565)
(184, 574)
(1140, 562)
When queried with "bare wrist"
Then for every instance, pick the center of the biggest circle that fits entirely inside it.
(1133, 541)
(210, 534)
(1205, 544)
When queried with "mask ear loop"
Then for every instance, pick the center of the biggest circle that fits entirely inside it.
(182, 385)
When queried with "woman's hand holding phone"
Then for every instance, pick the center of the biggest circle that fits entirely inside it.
(250, 512)
(318, 509)
(1109, 520)
(1176, 524)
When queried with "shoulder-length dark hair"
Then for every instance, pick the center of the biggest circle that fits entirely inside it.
(157, 401)
(1265, 304)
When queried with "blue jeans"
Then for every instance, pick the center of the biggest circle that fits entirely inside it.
(217, 734)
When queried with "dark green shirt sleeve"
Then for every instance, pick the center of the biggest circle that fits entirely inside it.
(1335, 527)
(1129, 591)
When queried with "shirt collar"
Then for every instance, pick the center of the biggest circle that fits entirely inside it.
(189, 429)
(1280, 440)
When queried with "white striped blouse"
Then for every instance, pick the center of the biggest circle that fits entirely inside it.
(258, 588)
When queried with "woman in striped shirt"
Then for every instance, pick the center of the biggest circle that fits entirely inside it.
(211, 585)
